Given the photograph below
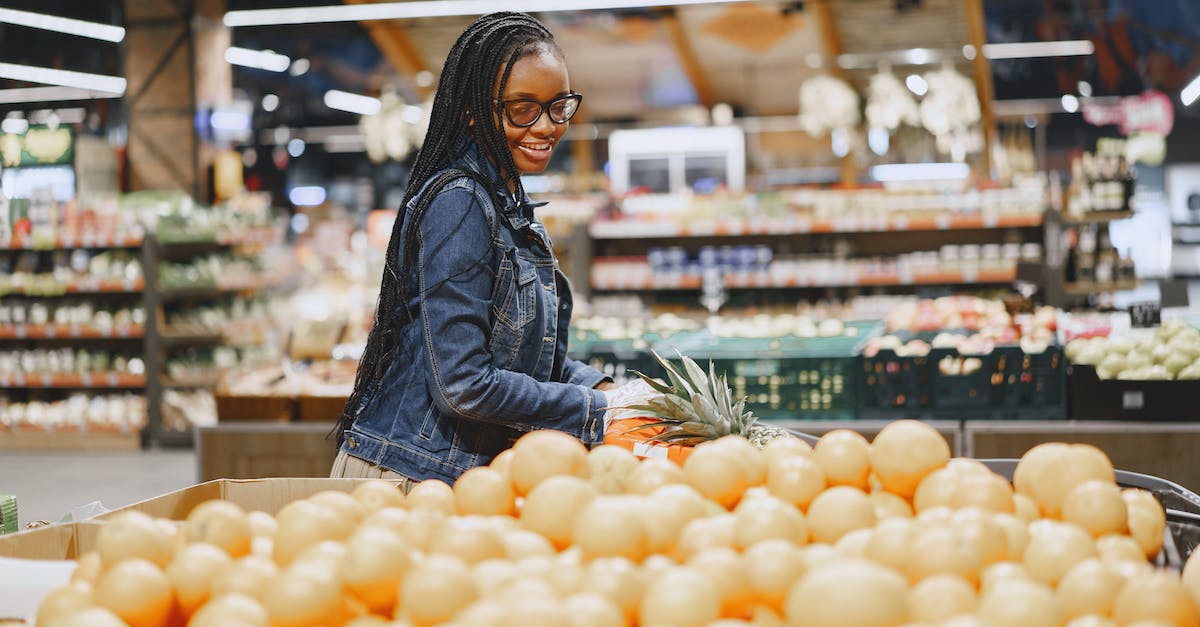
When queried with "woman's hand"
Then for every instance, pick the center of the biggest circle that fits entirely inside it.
(606, 385)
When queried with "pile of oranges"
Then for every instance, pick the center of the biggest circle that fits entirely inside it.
(848, 533)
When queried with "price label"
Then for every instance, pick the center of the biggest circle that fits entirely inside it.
(1133, 399)
(123, 330)
(20, 331)
(970, 276)
(900, 224)
(1145, 315)
(47, 381)
(75, 330)
(990, 220)
(111, 379)
(650, 451)
(943, 222)
(85, 379)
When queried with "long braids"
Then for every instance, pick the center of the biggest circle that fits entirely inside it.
(489, 46)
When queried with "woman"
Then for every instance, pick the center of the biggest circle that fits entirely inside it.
(468, 350)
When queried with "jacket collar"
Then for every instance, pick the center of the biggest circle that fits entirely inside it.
(517, 212)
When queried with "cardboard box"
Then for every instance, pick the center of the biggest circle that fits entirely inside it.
(264, 449)
(69, 540)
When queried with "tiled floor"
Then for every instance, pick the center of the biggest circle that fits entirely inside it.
(49, 485)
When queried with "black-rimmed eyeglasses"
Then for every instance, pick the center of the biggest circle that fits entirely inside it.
(524, 112)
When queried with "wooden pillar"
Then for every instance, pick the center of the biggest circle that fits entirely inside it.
(687, 58)
(983, 80)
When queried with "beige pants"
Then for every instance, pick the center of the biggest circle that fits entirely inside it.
(346, 466)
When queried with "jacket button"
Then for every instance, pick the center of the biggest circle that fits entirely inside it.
(548, 339)
(352, 442)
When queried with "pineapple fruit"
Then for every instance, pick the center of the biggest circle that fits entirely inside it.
(698, 407)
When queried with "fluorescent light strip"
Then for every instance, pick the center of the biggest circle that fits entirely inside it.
(1032, 49)
(895, 172)
(51, 94)
(354, 103)
(428, 8)
(259, 59)
(91, 30)
(47, 76)
(1191, 92)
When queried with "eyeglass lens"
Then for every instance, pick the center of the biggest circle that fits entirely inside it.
(526, 112)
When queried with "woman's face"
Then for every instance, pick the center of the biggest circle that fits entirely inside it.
(541, 76)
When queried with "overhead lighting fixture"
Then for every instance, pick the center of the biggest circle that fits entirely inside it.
(306, 196)
(1085, 89)
(1191, 92)
(902, 172)
(91, 30)
(917, 84)
(259, 59)
(1032, 49)
(1070, 103)
(64, 78)
(14, 126)
(354, 103)
(428, 8)
(51, 94)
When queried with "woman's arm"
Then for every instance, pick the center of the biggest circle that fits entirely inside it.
(455, 283)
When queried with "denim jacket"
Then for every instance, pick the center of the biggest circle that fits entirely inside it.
(484, 358)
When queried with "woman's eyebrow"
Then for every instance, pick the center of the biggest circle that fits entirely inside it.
(533, 96)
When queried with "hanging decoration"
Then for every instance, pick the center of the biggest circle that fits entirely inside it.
(826, 104)
(397, 130)
(950, 111)
(890, 103)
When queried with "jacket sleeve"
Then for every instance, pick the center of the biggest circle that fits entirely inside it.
(455, 287)
(579, 373)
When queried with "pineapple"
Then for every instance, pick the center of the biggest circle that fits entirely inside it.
(697, 408)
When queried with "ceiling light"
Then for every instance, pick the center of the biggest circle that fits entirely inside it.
(354, 103)
(1191, 92)
(1070, 103)
(270, 102)
(50, 94)
(428, 8)
(91, 30)
(1085, 89)
(894, 172)
(1031, 49)
(299, 67)
(968, 52)
(260, 59)
(916, 84)
(47, 76)
(295, 147)
(306, 196)
(14, 126)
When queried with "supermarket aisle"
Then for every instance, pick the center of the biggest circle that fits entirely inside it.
(50, 485)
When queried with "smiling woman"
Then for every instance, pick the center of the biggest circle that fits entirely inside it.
(469, 349)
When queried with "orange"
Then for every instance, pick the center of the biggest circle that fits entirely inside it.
(705, 533)
(138, 591)
(888, 505)
(783, 448)
(230, 610)
(376, 494)
(304, 523)
(940, 597)
(718, 473)
(551, 507)
(520, 543)
(193, 572)
(471, 539)
(848, 593)
(904, 452)
(1156, 595)
(652, 474)
(297, 597)
(726, 569)
(890, 543)
(1089, 588)
(1054, 549)
(1147, 520)
(681, 597)
(797, 480)
(771, 567)
(1019, 603)
(942, 549)
(611, 526)
(838, 511)
(246, 576)
(435, 590)
(65, 600)
(484, 491)
(753, 463)
(132, 534)
(1191, 577)
(844, 457)
(544, 453)
(588, 609)
(431, 495)
(222, 524)
(610, 467)
(375, 561)
(1096, 506)
(665, 513)
(616, 579)
(767, 518)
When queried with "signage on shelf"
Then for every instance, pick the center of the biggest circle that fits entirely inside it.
(1151, 112)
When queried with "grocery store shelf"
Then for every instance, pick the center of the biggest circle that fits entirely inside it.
(69, 331)
(95, 380)
(1097, 217)
(79, 286)
(1084, 288)
(214, 290)
(209, 381)
(170, 337)
(69, 440)
(629, 229)
(86, 240)
(177, 438)
(766, 281)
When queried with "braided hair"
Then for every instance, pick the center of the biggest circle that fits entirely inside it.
(465, 109)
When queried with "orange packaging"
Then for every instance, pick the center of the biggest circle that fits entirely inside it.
(619, 434)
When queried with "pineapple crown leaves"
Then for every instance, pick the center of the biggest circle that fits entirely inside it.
(695, 407)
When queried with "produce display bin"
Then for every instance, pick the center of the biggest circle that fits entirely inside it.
(786, 377)
(1093, 398)
(1006, 383)
(241, 408)
(1182, 508)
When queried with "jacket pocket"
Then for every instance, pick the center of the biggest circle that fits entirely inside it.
(514, 307)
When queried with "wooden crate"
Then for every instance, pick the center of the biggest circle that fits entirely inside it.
(264, 449)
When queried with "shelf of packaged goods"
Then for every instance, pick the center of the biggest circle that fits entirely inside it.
(69, 439)
(255, 235)
(93, 380)
(1097, 217)
(77, 286)
(626, 229)
(69, 331)
(197, 382)
(1085, 288)
(766, 281)
(86, 240)
(175, 337)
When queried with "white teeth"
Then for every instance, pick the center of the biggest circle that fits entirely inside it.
(536, 146)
